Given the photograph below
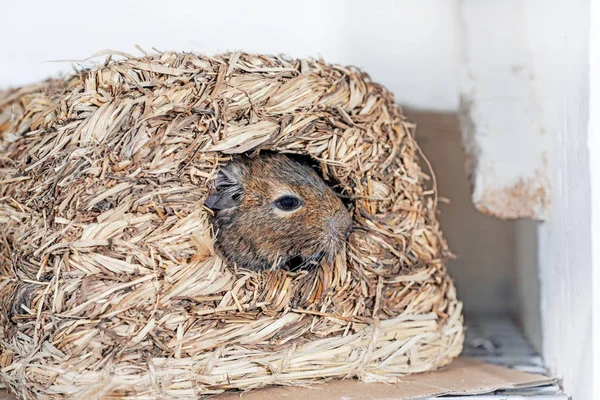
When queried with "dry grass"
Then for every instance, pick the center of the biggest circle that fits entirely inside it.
(109, 285)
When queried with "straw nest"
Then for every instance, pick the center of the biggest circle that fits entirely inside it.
(110, 287)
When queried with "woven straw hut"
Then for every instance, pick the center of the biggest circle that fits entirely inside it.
(109, 283)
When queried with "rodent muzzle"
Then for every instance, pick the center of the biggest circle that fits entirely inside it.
(336, 232)
(339, 226)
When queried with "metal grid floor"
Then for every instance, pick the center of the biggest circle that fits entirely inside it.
(498, 340)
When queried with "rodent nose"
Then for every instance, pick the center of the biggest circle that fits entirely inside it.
(340, 224)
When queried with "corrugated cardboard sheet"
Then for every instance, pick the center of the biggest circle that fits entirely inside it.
(463, 377)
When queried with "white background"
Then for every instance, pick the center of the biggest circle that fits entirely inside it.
(408, 45)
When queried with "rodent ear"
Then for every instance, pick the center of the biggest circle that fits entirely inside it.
(224, 199)
(229, 175)
(229, 190)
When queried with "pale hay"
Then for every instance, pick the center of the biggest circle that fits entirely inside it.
(109, 282)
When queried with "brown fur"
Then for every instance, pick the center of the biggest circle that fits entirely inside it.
(253, 233)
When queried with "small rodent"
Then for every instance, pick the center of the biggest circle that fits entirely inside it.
(270, 210)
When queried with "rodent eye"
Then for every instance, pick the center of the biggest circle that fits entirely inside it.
(288, 203)
(236, 196)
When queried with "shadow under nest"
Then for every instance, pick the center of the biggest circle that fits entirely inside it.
(109, 283)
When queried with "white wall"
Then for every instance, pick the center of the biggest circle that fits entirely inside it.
(558, 33)
(408, 45)
(594, 151)
(526, 73)
(500, 116)
(505, 141)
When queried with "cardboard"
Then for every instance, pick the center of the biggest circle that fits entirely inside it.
(463, 377)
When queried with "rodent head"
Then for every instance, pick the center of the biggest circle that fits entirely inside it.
(271, 209)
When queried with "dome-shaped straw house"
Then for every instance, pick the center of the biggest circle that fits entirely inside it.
(109, 281)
